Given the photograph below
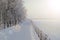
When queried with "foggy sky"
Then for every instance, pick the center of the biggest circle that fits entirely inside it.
(43, 8)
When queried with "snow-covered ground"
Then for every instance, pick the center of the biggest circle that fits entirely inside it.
(50, 27)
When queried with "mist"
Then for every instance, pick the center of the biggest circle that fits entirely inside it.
(46, 15)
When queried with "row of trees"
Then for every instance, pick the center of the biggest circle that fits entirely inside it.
(11, 12)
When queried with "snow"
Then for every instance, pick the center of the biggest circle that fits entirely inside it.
(50, 27)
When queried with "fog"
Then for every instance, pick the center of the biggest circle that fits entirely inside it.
(46, 15)
(42, 8)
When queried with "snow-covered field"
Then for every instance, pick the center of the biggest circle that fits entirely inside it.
(50, 27)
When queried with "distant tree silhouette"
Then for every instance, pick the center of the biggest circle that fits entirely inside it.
(11, 12)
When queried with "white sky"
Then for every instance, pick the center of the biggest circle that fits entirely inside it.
(43, 8)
